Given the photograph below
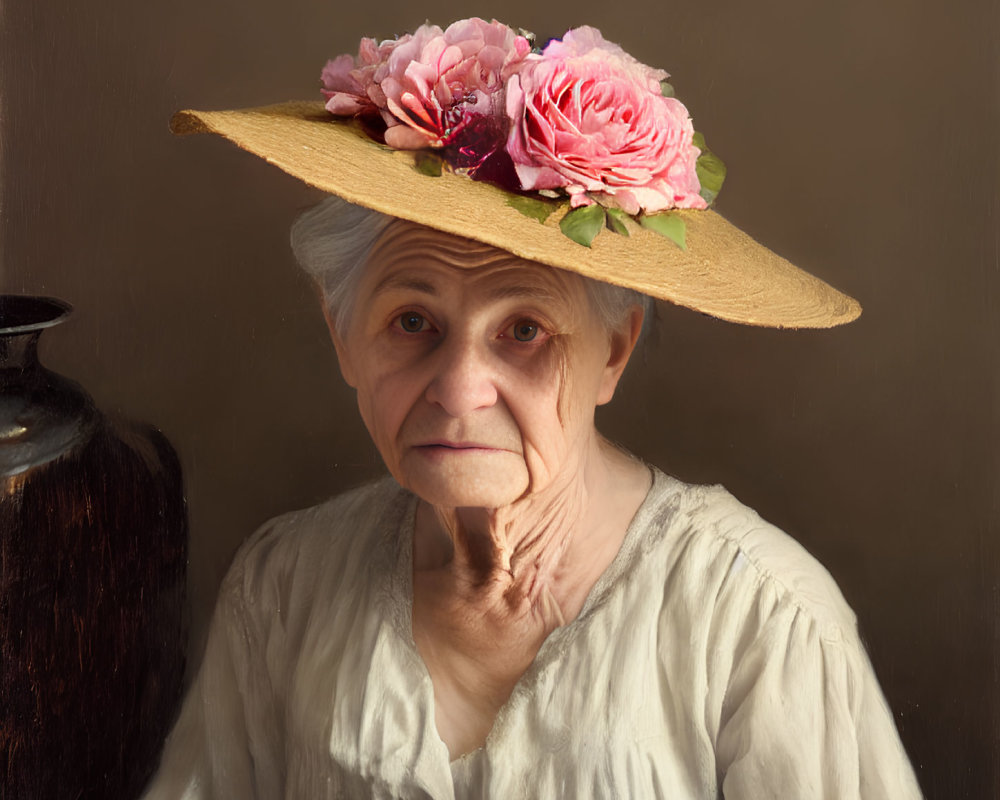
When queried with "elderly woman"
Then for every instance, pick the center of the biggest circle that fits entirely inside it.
(521, 609)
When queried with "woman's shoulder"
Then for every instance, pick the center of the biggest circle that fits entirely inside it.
(770, 651)
(338, 534)
(730, 553)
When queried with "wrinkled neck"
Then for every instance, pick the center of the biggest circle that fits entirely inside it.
(539, 555)
(527, 540)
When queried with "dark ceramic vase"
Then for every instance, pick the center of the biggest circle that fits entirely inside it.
(93, 549)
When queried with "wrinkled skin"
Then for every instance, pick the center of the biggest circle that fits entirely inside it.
(477, 375)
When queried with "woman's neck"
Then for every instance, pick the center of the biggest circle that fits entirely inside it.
(490, 585)
(541, 555)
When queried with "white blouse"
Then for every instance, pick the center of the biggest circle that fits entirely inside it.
(713, 658)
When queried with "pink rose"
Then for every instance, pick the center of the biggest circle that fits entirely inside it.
(436, 81)
(589, 118)
(351, 85)
(428, 85)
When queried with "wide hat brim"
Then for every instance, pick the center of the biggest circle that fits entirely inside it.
(723, 272)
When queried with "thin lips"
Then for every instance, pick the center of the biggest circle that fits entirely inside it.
(451, 434)
(458, 445)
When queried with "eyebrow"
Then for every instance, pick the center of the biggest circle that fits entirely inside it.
(405, 282)
(536, 291)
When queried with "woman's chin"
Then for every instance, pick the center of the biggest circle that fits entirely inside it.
(487, 481)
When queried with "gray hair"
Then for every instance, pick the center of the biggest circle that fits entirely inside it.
(332, 241)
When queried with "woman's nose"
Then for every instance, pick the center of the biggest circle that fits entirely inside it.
(463, 379)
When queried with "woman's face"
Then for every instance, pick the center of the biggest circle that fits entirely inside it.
(477, 373)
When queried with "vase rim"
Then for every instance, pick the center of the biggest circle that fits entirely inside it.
(24, 313)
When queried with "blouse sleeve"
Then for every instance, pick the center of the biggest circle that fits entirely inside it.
(227, 739)
(803, 714)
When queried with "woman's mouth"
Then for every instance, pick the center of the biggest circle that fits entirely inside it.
(445, 446)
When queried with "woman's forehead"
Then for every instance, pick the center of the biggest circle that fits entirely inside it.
(412, 256)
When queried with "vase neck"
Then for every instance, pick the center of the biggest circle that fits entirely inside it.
(19, 351)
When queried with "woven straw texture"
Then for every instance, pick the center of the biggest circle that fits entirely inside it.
(723, 272)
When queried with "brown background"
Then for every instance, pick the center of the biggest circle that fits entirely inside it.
(861, 139)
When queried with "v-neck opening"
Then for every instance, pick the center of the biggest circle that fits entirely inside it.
(401, 593)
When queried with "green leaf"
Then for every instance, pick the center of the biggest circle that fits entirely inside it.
(583, 224)
(666, 89)
(428, 163)
(710, 168)
(531, 207)
(616, 220)
(667, 224)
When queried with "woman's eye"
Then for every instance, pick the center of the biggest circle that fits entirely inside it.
(412, 322)
(524, 330)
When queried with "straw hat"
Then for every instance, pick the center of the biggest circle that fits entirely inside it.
(722, 272)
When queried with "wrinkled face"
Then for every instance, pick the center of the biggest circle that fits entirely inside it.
(477, 373)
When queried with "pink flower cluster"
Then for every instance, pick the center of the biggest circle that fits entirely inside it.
(581, 117)
(428, 85)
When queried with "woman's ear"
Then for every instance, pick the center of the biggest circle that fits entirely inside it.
(622, 341)
(343, 356)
